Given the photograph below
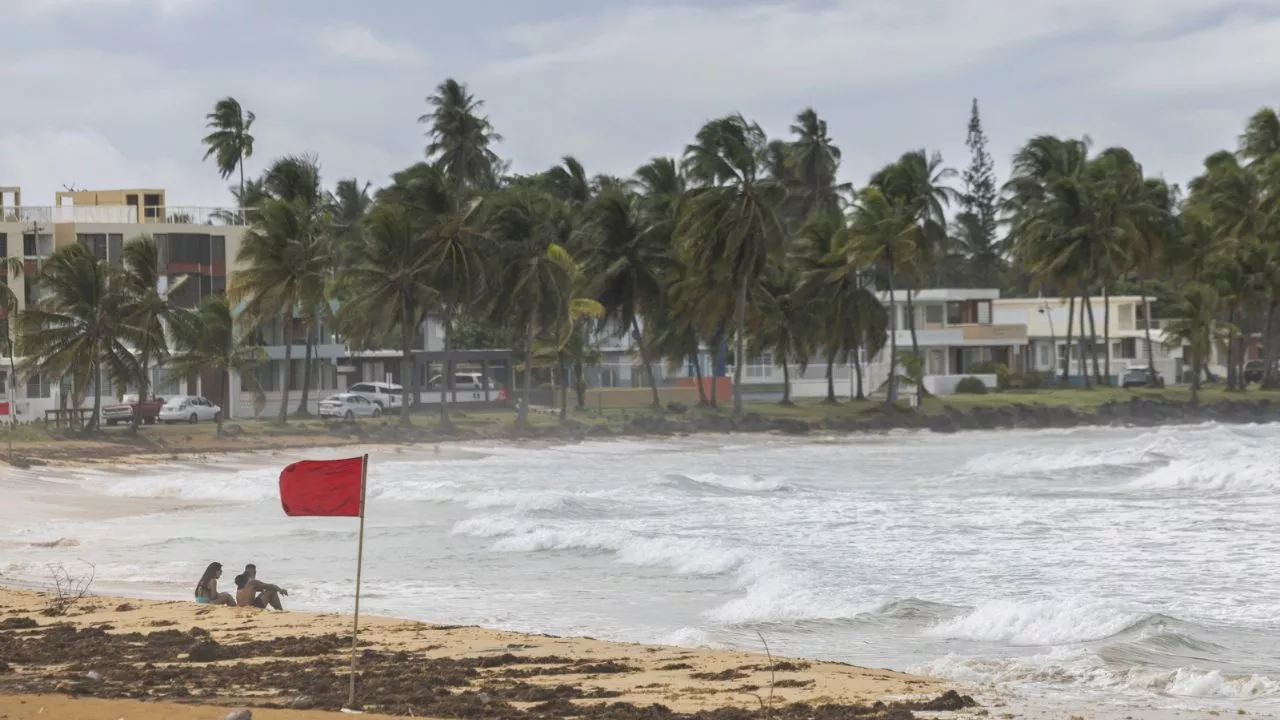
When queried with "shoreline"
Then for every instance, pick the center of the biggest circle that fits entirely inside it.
(145, 653)
(994, 413)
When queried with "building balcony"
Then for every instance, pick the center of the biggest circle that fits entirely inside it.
(123, 215)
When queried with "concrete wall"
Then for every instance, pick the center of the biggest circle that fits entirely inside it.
(639, 397)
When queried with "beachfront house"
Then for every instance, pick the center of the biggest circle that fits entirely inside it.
(1128, 318)
(958, 333)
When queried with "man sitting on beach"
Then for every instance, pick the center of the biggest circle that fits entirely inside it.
(252, 592)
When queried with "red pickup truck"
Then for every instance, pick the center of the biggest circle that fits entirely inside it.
(122, 412)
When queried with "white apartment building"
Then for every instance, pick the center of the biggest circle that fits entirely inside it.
(200, 243)
(1047, 319)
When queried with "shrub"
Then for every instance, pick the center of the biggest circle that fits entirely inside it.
(971, 386)
(1000, 370)
(1032, 381)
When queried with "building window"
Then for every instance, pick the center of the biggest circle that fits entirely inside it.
(96, 242)
(984, 312)
(36, 246)
(4, 245)
(115, 250)
(1125, 349)
(955, 313)
(38, 387)
(933, 314)
(1043, 352)
(268, 374)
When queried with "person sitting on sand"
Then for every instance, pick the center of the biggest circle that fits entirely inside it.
(207, 589)
(253, 592)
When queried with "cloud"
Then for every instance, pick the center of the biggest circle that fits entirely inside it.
(166, 8)
(616, 83)
(357, 42)
(891, 76)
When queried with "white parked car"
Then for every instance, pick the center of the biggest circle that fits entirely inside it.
(348, 406)
(189, 409)
(384, 395)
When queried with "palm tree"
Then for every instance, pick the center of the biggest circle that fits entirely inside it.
(783, 324)
(882, 236)
(917, 182)
(453, 243)
(1052, 221)
(230, 142)
(732, 217)
(579, 312)
(532, 286)
(208, 338)
(630, 258)
(286, 267)
(815, 160)
(148, 310)
(387, 289)
(296, 179)
(79, 327)
(1193, 324)
(461, 137)
(835, 294)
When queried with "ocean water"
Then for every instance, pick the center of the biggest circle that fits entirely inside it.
(1129, 569)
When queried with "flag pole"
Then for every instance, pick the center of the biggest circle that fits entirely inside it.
(355, 630)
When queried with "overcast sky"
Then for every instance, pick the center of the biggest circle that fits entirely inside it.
(113, 93)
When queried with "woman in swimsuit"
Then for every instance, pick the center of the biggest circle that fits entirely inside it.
(207, 589)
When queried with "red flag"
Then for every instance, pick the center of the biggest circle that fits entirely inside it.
(330, 488)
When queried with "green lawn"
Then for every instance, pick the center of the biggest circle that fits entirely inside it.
(482, 422)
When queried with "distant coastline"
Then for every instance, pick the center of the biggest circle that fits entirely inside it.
(1023, 411)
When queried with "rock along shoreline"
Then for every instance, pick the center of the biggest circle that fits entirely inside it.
(1136, 412)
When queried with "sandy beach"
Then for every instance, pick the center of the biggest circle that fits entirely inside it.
(174, 659)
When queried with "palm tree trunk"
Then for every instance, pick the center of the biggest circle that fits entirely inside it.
(1146, 309)
(579, 384)
(1093, 340)
(1269, 348)
(891, 392)
(831, 379)
(915, 347)
(1106, 331)
(648, 367)
(1066, 360)
(406, 355)
(857, 372)
(243, 209)
(446, 372)
(715, 377)
(786, 382)
(303, 410)
(144, 384)
(1197, 364)
(740, 359)
(564, 387)
(697, 374)
(1232, 377)
(522, 418)
(288, 368)
(97, 395)
(1084, 356)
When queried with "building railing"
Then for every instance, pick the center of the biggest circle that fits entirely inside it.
(124, 215)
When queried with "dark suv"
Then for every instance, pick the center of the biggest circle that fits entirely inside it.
(1254, 370)
(1141, 377)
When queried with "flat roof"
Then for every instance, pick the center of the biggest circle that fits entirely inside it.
(943, 294)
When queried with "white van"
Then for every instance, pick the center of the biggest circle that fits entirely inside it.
(469, 387)
(384, 395)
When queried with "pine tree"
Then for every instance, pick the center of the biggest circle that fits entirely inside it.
(978, 222)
